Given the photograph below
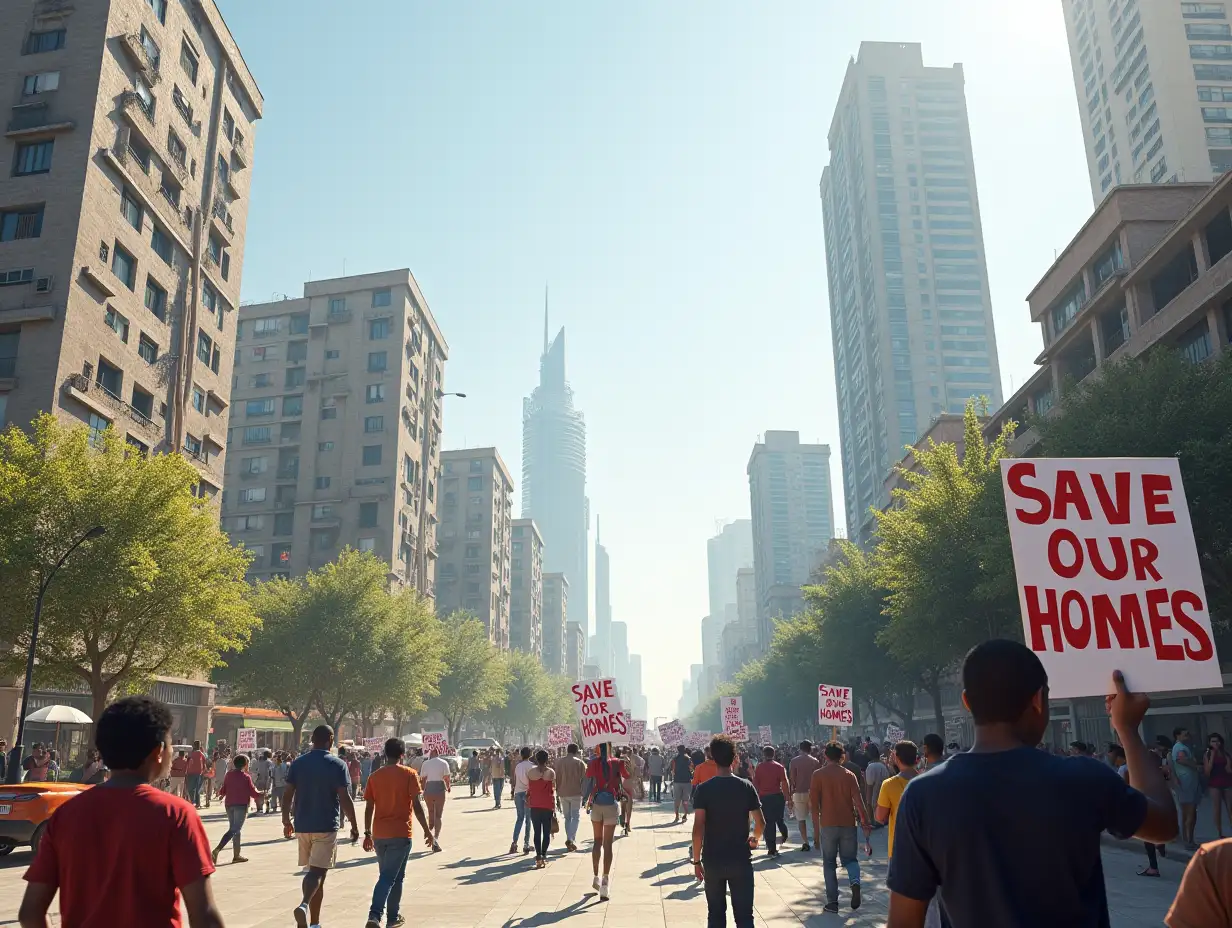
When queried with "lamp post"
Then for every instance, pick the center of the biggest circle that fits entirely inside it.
(13, 774)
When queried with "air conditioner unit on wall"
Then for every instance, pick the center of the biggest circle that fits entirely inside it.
(44, 284)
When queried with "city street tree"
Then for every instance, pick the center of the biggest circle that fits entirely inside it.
(476, 675)
(534, 699)
(161, 593)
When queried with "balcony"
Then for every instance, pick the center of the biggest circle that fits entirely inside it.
(222, 219)
(239, 152)
(36, 119)
(149, 190)
(341, 315)
(103, 401)
(130, 102)
(140, 57)
(288, 473)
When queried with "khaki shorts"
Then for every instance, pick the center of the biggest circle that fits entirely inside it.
(800, 802)
(605, 815)
(318, 849)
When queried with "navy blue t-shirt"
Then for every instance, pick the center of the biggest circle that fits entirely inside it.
(1012, 838)
(317, 777)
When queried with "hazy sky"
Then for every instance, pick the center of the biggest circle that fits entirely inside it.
(658, 164)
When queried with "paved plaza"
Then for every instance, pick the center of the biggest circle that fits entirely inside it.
(473, 882)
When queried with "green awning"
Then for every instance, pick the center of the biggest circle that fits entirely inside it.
(268, 725)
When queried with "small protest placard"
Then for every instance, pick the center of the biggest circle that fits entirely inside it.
(766, 735)
(637, 731)
(435, 742)
(731, 710)
(738, 733)
(559, 735)
(374, 745)
(246, 740)
(696, 740)
(599, 712)
(835, 706)
(672, 734)
(894, 734)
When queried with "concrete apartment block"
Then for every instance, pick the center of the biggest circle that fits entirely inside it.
(122, 217)
(337, 426)
(474, 538)
(575, 650)
(555, 609)
(526, 589)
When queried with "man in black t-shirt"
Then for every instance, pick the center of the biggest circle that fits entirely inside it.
(682, 778)
(1008, 833)
(722, 844)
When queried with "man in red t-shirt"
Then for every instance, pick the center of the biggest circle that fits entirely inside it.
(122, 852)
(194, 773)
(770, 778)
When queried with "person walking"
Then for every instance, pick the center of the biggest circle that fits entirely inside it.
(541, 800)
(496, 773)
(318, 787)
(237, 791)
(631, 788)
(278, 780)
(800, 775)
(1218, 769)
(601, 791)
(934, 750)
(890, 796)
(837, 801)
(194, 773)
(875, 773)
(390, 799)
(1203, 900)
(222, 765)
(1188, 780)
(1034, 860)
(474, 772)
(722, 845)
(654, 767)
(520, 785)
(770, 781)
(570, 772)
(486, 771)
(263, 778)
(436, 784)
(682, 779)
(179, 770)
(207, 780)
(355, 772)
(97, 851)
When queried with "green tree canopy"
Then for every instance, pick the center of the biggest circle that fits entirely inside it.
(161, 593)
(476, 676)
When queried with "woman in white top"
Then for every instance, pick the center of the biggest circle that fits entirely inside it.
(435, 775)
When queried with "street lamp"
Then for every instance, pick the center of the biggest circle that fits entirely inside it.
(13, 774)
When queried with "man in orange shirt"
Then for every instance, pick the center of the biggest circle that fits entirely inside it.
(1203, 899)
(836, 799)
(705, 770)
(391, 796)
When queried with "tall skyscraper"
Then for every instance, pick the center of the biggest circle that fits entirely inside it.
(793, 520)
(727, 552)
(620, 653)
(335, 428)
(554, 474)
(1153, 81)
(123, 211)
(910, 309)
(474, 538)
(526, 589)
(603, 606)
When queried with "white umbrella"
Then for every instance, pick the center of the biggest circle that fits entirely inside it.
(59, 715)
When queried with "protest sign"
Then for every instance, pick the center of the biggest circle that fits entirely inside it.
(738, 733)
(731, 712)
(246, 740)
(765, 734)
(637, 731)
(696, 740)
(599, 712)
(374, 745)
(672, 734)
(835, 706)
(1108, 574)
(894, 734)
(435, 742)
(559, 735)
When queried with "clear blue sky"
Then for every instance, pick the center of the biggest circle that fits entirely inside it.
(658, 164)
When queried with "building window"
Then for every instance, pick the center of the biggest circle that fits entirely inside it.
(252, 495)
(182, 105)
(263, 327)
(325, 446)
(160, 241)
(297, 351)
(337, 305)
(13, 278)
(156, 299)
(160, 9)
(376, 361)
(205, 346)
(116, 322)
(188, 62)
(474, 483)
(374, 424)
(33, 158)
(198, 399)
(284, 523)
(110, 378)
(322, 483)
(377, 328)
(262, 407)
(293, 405)
(299, 323)
(262, 380)
(19, 224)
(367, 515)
(375, 393)
(98, 425)
(367, 544)
(48, 41)
(322, 511)
(1203, 11)
(147, 348)
(372, 455)
(382, 297)
(257, 435)
(332, 354)
(329, 412)
(295, 377)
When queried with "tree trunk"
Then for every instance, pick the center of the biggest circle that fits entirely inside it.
(933, 688)
(100, 690)
(872, 709)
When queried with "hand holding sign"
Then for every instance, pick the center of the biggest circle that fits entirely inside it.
(600, 713)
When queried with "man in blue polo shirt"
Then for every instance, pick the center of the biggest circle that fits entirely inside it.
(318, 785)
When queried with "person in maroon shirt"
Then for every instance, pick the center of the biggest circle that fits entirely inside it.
(770, 778)
(123, 852)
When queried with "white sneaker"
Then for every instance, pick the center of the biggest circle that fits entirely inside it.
(596, 885)
(603, 890)
(301, 915)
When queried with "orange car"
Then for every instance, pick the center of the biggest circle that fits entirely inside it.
(25, 808)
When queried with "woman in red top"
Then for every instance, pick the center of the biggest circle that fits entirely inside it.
(770, 778)
(602, 788)
(237, 790)
(1218, 769)
(541, 798)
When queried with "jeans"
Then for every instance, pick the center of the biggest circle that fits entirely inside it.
(236, 816)
(656, 789)
(498, 786)
(772, 807)
(193, 782)
(391, 856)
(838, 841)
(541, 819)
(275, 797)
(738, 878)
(571, 809)
(519, 802)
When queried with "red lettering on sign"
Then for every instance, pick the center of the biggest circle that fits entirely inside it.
(1014, 477)
(1040, 619)
(1120, 559)
(1079, 635)
(1144, 553)
(1155, 490)
(1180, 600)
(1064, 536)
(1069, 493)
(1160, 623)
(1123, 626)
(1115, 511)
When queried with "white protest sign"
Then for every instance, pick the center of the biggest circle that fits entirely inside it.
(835, 706)
(894, 734)
(599, 712)
(696, 739)
(246, 740)
(559, 735)
(1108, 574)
(374, 745)
(731, 712)
(765, 734)
(738, 734)
(435, 742)
(637, 731)
(672, 733)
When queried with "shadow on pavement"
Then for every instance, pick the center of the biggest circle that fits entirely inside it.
(551, 918)
(489, 874)
(669, 880)
(688, 892)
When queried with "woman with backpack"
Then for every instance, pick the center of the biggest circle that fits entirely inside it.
(601, 793)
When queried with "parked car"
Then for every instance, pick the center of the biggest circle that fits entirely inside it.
(477, 744)
(25, 808)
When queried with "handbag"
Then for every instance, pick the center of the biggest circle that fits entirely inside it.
(555, 823)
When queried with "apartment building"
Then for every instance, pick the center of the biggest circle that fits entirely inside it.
(1154, 87)
(910, 308)
(555, 610)
(727, 552)
(336, 423)
(793, 520)
(575, 650)
(526, 589)
(474, 538)
(122, 216)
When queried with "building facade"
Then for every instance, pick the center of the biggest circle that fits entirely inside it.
(910, 309)
(555, 610)
(122, 220)
(601, 652)
(727, 552)
(1153, 82)
(793, 520)
(554, 475)
(474, 539)
(575, 651)
(526, 588)
(337, 425)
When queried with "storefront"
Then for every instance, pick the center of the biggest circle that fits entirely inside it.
(273, 729)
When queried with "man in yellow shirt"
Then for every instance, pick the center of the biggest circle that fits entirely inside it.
(891, 793)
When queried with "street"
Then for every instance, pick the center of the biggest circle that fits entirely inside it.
(473, 882)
